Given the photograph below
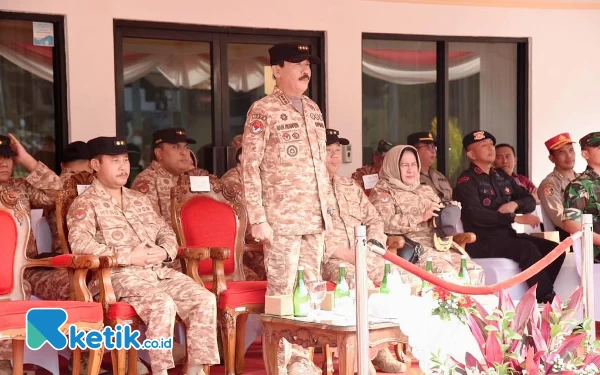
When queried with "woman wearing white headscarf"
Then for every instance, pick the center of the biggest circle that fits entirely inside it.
(407, 208)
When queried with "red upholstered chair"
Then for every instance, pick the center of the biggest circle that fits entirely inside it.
(87, 315)
(115, 312)
(216, 220)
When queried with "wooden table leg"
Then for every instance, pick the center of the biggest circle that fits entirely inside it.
(347, 353)
(270, 345)
(327, 366)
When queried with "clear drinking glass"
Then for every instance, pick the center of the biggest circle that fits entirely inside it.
(477, 278)
(317, 291)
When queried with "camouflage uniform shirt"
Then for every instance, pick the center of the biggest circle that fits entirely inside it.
(98, 226)
(349, 207)
(41, 187)
(438, 182)
(582, 197)
(50, 214)
(233, 177)
(283, 169)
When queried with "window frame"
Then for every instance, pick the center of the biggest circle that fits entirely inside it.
(61, 117)
(218, 37)
(442, 88)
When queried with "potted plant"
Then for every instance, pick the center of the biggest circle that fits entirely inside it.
(528, 340)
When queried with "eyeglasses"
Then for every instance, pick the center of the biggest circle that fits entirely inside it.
(430, 146)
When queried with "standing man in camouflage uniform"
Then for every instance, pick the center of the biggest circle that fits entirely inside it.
(552, 189)
(582, 196)
(491, 200)
(109, 219)
(54, 284)
(171, 158)
(372, 169)
(427, 146)
(349, 207)
(285, 180)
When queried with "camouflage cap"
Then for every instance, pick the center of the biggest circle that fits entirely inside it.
(590, 140)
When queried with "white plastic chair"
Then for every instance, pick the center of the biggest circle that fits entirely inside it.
(499, 269)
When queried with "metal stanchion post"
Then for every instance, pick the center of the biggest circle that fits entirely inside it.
(362, 317)
(587, 277)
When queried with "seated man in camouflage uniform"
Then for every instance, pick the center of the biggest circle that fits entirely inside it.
(171, 158)
(49, 284)
(427, 146)
(349, 206)
(582, 194)
(41, 186)
(372, 169)
(109, 219)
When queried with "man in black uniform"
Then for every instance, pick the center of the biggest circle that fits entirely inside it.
(490, 201)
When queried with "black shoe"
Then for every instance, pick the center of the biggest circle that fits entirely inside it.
(548, 298)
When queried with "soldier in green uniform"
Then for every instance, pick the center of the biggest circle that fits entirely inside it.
(582, 194)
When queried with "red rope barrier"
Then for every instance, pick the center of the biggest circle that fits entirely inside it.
(487, 289)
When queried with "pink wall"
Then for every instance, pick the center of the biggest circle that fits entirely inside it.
(564, 91)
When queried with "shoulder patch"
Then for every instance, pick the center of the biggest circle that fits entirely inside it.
(477, 170)
(548, 190)
(257, 127)
(462, 180)
(143, 186)
(384, 197)
(80, 214)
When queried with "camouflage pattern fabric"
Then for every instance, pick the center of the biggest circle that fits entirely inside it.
(233, 177)
(49, 284)
(283, 169)
(98, 226)
(582, 197)
(50, 214)
(402, 211)
(285, 184)
(349, 207)
(438, 182)
(41, 186)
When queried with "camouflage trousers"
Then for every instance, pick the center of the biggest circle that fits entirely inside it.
(254, 266)
(375, 270)
(158, 301)
(282, 257)
(49, 285)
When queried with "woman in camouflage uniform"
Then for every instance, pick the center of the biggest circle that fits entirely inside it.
(407, 208)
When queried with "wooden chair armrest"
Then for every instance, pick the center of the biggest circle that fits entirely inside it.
(107, 293)
(72, 261)
(462, 239)
(218, 255)
(190, 252)
(394, 243)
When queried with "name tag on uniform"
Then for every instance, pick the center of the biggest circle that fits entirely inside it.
(81, 188)
(370, 180)
(199, 183)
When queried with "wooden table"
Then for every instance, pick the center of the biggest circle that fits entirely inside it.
(325, 334)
